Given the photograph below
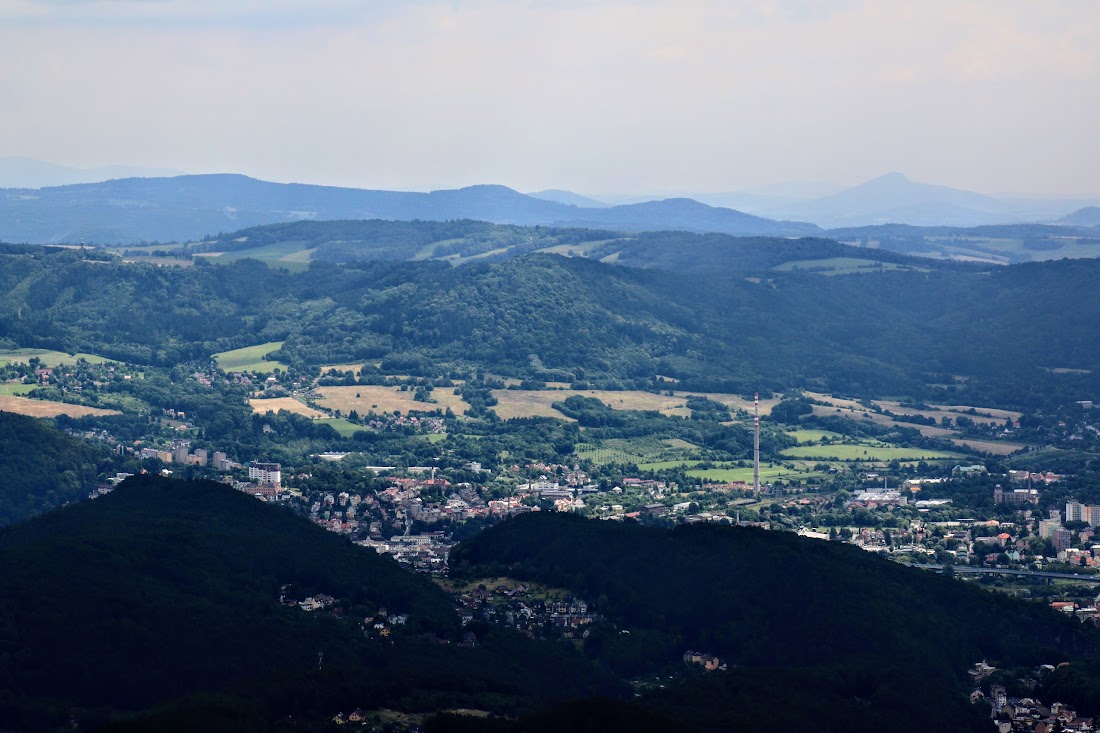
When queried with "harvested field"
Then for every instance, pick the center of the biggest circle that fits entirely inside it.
(526, 403)
(45, 408)
(994, 447)
(286, 403)
(378, 399)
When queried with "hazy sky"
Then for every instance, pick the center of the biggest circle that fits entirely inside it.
(617, 96)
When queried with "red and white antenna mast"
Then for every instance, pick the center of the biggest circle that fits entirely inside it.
(756, 443)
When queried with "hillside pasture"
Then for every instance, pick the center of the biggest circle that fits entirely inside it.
(45, 408)
(365, 399)
(48, 357)
(250, 359)
(291, 255)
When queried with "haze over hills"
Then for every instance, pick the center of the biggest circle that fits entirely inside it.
(893, 198)
(191, 207)
(19, 172)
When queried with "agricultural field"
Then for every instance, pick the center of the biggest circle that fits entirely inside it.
(865, 452)
(767, 473)
(15, 388)
(250, 359)
(47, 357)
(841, 266)
(286, 403)
(528, 403)
(814, 436)
(365, 399)
(45, 408)
(994, 447)
(293, 256)
(343, 368)
(649, 453)
(340, 425)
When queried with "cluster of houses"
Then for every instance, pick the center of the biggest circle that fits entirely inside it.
(520, 607)
(1024, 714)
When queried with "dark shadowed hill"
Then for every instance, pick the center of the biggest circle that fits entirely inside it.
(166, 589)
(810, 630)
(41, 467)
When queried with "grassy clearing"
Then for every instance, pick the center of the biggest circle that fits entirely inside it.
(340, 425)
(48, 358)
(45, 408)
(292, 255)
(865, 452)
(365, 399)
(286, 403)
(14, 388)
(250, 359)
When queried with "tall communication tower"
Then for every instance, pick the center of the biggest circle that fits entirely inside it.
(756, 444)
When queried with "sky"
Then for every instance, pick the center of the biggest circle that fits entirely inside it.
(623, 96)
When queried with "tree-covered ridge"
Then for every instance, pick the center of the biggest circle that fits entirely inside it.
(41, 468)
(982, 335)
(165, 589)
(377, 239)
(742, 594)
(805, 625)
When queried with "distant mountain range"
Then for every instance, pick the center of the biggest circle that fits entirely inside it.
(894, 199)
(190, 207)
(128, 210)
(20, 172)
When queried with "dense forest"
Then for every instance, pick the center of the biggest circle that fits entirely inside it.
(958, 334)
(800, 623)
(42, 468)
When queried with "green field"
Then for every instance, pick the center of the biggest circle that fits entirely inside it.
(343, 427)
(662, 465)
(865, 452)
(49, 358)
(293, 256)
(841, 266)
(767, 473)
(250, 359)
(814, 436)
(14, 389)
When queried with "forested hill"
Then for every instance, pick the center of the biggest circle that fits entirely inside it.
(464, 241)
(167, 589)
(556, 318)
(785, 613)
(41, 468)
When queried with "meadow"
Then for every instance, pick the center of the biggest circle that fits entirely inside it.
(48, 357)
(250, 359)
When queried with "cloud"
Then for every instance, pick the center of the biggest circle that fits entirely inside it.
(634, 95)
